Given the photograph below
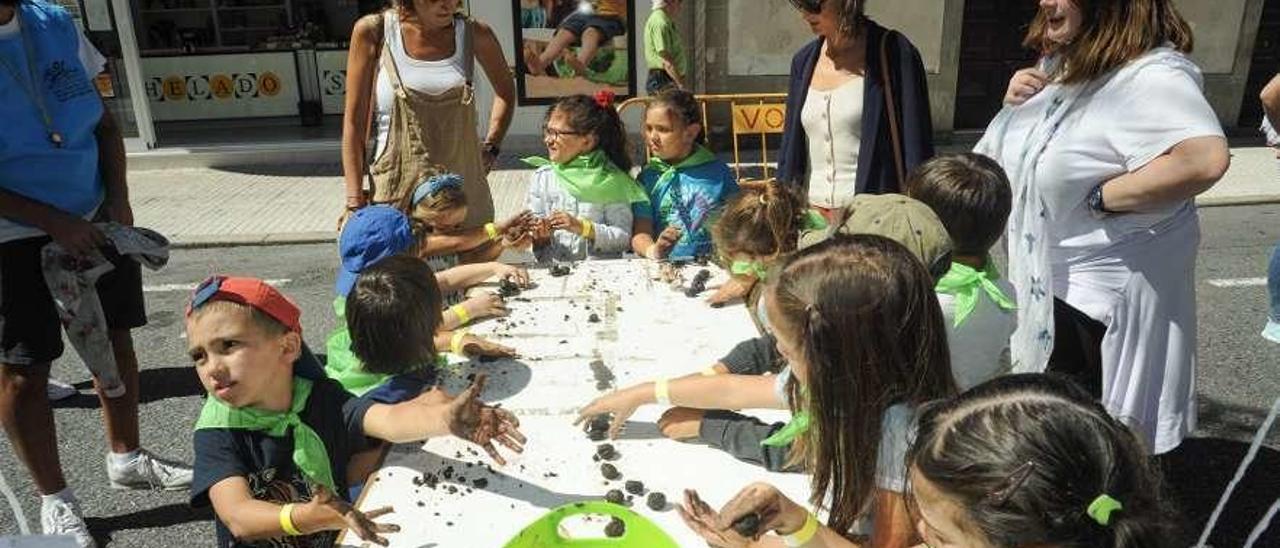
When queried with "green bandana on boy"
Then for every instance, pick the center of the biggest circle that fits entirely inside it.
(749, 268)
(591, 178)
(964, 281)
(309, 453)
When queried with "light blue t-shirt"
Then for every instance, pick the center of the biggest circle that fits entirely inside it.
(689, 201)
(65, 177)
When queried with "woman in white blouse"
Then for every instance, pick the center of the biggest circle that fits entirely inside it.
(1107, 141)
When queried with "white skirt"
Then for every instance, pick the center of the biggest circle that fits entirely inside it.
(1143, 289)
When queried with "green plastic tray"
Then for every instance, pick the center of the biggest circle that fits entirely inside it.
(545, 532)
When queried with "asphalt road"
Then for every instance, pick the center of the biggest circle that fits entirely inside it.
(1238, 379)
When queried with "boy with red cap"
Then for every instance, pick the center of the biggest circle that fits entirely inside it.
(275, 436)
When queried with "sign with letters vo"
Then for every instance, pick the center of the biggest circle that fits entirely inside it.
(757, 119)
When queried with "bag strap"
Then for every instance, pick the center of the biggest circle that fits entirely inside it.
(894, 134)
(373, 94)
(468, 49)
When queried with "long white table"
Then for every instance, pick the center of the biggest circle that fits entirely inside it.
(646, 330)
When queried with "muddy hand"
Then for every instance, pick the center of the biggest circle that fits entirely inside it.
(701, 519)
(621, 404)
(342, 515)
(481, 424)
(477, 347)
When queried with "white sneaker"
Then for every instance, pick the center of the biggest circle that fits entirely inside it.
(1272, 331)
(147, 471)
(61, 517)
(59, 390)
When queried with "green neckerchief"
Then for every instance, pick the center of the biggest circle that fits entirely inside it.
(700, 156)
(309, 453)
(963, 282)
(815, 221)
(592, 179)
(798, 425)
(749, 268)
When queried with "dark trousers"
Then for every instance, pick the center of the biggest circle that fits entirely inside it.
(1077, 347)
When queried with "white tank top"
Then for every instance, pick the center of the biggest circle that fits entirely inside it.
(832, 123)
(431, 77)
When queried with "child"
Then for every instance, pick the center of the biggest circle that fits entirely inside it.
(971, 195)
(687, 185)
(899, 218)
(757, 227)
(1033, 460)
(274, 437)
(376, 233)
(857, 321)
(437, 207)
(583, 194)
(600, 23)
(392, 315)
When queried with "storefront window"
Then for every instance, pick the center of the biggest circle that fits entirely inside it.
(168, 27)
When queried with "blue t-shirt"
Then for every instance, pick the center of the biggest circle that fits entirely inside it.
(687, 201)
(65, 177)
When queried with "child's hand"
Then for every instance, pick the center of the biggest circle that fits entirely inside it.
(777, 513)
(564, 221)
(477, 347)
(485, 306)
(482, 424)
(736, 288)
(621, 403)
(514, 273)
(662, 246)
(517, 222)
(326, 512)
(681, 423)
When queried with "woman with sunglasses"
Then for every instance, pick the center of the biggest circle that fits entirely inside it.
(848, 130)
(1106, 142)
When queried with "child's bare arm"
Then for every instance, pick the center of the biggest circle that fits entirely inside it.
(250, 519)
(697, 392)
(445, 244)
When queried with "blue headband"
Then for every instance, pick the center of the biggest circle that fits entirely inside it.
(434, 184)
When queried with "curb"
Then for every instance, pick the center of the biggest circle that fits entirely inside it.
(1245, 199)
(206, 241)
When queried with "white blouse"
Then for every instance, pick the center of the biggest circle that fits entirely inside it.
(431, 77)
(832, 123)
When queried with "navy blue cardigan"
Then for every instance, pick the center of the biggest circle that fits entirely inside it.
(876, 171)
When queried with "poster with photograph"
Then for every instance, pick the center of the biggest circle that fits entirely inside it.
(568, 47)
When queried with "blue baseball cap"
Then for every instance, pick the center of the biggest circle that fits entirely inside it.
(370, 235)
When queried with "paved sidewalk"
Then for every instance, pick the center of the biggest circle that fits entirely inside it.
(205, 207)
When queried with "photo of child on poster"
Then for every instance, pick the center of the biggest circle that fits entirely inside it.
(573, 47)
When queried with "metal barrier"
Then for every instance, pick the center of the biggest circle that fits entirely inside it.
(753, 114)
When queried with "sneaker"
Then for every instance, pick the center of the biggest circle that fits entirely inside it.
(59, 390)
(1272, 331)
(147, 471)
(62, 518)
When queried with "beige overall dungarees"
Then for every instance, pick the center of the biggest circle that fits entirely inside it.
(432, 133)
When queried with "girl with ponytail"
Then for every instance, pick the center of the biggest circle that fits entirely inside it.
(1032, 460)
(582, 192)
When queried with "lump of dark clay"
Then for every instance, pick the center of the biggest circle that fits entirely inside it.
(609, 471)
(594, 318)
(748, 525)
(656, 501)
(508, 288)
(699, 283)
(616, 528)
(560, 270)
(634, 487)
(598, 427)
(480, 483)
(615, 496)
(607, 452)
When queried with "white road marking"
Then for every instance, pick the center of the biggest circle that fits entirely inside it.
(1238, 282)
(166, 288)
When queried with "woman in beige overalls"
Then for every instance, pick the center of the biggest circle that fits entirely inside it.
(410, 85)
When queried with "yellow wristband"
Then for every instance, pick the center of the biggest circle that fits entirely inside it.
(662, 391)
(805, 533)
(492, 230)
(710, 372)
(455, 343)
(286, 521)
(460, 311)
(588, 229)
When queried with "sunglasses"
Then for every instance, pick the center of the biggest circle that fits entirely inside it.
(206, 291)
(809, 6)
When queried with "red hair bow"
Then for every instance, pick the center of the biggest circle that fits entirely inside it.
(605, 98)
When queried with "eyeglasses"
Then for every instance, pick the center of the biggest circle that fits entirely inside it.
(556, 134)
(205, 291)
(809, 6)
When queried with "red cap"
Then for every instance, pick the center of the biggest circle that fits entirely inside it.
(251, 292)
